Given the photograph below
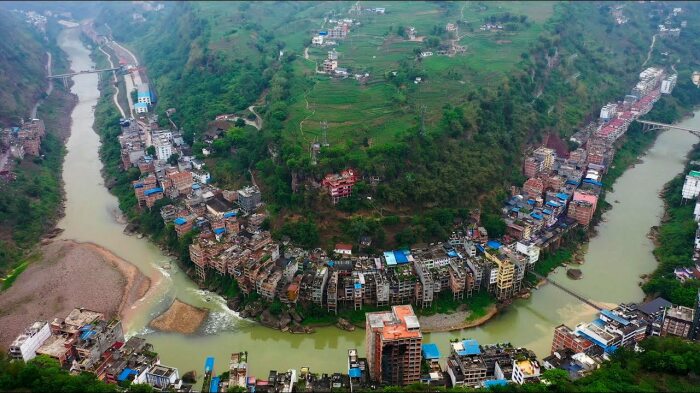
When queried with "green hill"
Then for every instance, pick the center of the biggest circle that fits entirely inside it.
(22, 68)
(439, 147)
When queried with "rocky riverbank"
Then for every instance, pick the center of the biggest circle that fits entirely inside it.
(456, 321)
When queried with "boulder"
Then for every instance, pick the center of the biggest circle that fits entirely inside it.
(269, 320)
(295, 316)
(344, 324)
(285, 320)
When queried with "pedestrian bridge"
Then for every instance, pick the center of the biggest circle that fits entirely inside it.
(569, 291)
(653, 125)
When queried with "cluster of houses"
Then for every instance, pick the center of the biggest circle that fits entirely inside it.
(338, 32)
(617, 13)
(583, 349)
(562, 188)
(23, 140)
(670, 27)
(88, 341)
(330, 65)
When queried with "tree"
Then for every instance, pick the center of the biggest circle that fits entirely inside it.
(151, 151)
(172, 160)
(240, 123)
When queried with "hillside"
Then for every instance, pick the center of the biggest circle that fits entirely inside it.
(22, 68)
(450, 143)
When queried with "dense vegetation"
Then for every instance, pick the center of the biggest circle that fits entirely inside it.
(30, 205)
(43, 374)
(22, 65)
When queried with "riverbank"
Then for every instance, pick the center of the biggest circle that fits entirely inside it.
(456, 321)
(62, 266)
(180, 318)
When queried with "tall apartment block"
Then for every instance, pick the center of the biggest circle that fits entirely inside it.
(393, 343)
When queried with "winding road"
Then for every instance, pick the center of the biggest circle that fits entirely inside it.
(115, 97)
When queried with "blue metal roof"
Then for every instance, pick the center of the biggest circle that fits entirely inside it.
(471, 347)
(431, 351)
(358, 285)
(389, 257)
(536, 216)
(355, 372)
(152, 191)
(209, 365)
(547, 211)
(138, 185)
(140, 105)
(87, 334)
(531, 202)
(562, 196)
(452, 254)
(515, 209)
(180, 221)
(196, 186)
(553, 204)
(614, 317)
(219, 231)
(229, 214)
(401, 256)
(214, 385)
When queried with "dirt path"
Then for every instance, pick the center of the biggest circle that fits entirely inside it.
(64, 279)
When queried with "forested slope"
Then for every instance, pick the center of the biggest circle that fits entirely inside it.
(22, 68)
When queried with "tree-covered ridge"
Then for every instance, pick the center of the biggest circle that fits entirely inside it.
(22, 68)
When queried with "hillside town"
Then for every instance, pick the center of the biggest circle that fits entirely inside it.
(560, 194)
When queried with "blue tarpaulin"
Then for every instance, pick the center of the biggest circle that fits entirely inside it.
(572, 182)
(125, 374)
(214, 385)
(531, 202)
(152, 191)
(138, 185)
(355, 372)
(495, 382)
(87, 334)
(180, 221)
(219, 231)
(229, 214)
(209, 364)
(431, 351)
(452, 254)
(494, 244)
(358, 285)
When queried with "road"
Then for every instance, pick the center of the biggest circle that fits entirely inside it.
(49, 89)
(115, 97)
(258, 119)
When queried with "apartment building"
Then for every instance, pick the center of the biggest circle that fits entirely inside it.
(393, 343)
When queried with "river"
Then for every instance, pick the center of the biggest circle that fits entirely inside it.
(615, 259)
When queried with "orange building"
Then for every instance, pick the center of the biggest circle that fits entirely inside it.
(393, 344)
